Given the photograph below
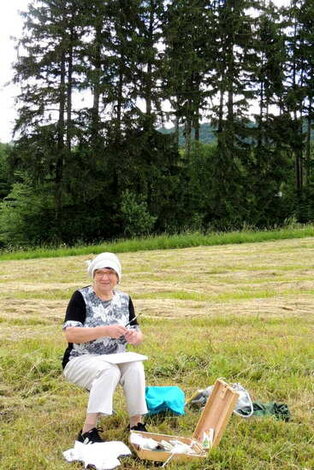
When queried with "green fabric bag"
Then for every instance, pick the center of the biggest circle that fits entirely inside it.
(279, 410)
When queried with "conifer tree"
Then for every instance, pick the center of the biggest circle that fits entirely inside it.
(299, 94)
(46, 72)
(231, 79)
(187, 37)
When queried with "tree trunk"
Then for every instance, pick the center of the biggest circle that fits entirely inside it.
(308, 143)
(60, 140)
(96, 88)
(149, 81)
(69, 94)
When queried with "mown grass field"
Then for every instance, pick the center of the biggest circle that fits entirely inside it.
(242, 312)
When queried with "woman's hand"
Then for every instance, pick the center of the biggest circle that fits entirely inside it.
(116, 331)
(83, 335)
(133, 337)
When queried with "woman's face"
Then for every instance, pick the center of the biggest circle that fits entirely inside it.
(105, 279)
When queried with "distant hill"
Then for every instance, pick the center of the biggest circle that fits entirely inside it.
(207, 133)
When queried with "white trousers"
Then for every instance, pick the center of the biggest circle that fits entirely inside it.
(101, 378)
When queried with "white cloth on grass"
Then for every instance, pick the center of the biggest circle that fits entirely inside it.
(102, 455)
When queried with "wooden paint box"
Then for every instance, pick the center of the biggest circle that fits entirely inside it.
(213, 421)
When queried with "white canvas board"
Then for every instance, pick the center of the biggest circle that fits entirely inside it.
(120, 358)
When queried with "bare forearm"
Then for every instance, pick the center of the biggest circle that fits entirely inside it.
(83, 335)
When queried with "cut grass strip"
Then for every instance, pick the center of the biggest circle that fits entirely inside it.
(163, 242)
(239, 295)
(178, 295)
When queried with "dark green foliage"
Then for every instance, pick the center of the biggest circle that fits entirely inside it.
(135, 216)
(5, 173)
(26, 216)
(98, 169)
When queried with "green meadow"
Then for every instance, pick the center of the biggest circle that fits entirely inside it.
(242, 311)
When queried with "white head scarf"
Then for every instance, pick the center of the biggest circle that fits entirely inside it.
(104, 260)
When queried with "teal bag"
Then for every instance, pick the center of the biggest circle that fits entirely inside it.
(165, 399)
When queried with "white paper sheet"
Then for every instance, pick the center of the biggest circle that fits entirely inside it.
(120, 358)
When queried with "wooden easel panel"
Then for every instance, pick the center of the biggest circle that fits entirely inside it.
(217, 411)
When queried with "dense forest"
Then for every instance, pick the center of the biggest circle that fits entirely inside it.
(99, 79)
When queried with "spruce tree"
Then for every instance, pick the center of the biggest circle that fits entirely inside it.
(231, 79)
(299, 96)
(46, 72)
(186, 36)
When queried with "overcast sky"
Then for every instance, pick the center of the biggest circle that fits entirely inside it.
(11, 25)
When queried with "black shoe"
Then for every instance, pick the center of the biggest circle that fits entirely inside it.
(139, 427)
(90, 437)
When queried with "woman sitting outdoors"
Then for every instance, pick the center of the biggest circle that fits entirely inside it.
(100, 320)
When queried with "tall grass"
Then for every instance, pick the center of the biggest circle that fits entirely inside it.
(164, 242)
(242, 313)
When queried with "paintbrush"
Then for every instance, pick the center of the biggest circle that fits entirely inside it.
(131, 321)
